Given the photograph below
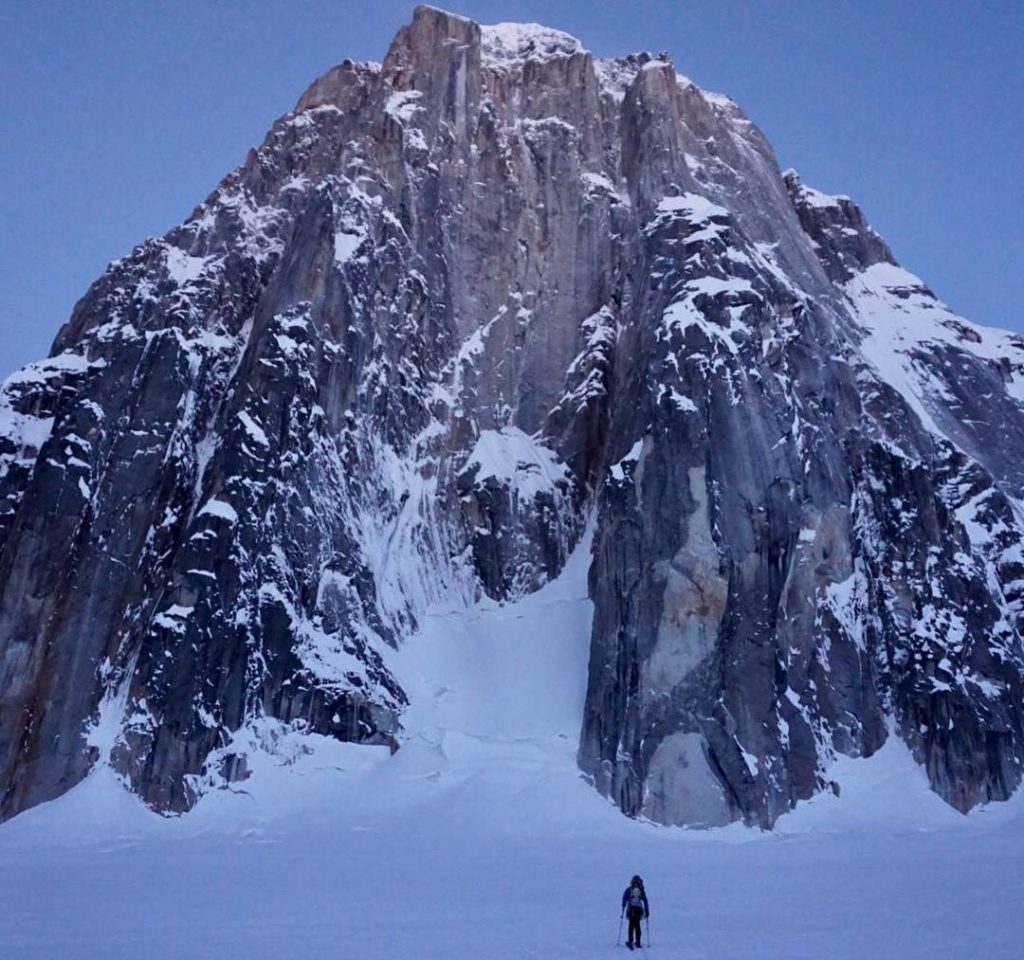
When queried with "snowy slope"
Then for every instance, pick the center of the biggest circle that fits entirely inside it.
(479, 840)
(401, 888)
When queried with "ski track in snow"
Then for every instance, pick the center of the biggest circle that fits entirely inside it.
(479, 839)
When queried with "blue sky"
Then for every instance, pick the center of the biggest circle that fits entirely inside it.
(117, 118)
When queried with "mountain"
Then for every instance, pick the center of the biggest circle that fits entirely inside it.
(457, 309)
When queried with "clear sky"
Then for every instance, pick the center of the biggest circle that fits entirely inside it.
(117, 118)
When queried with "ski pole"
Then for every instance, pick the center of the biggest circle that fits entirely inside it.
(618, 939)
(647, 920)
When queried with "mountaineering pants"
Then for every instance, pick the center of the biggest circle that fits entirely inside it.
(634, 915)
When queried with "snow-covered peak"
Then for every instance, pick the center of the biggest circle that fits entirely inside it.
(615, 74)
(512, 44)
(720, 100)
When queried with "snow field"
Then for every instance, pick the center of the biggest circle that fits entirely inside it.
(479, 839)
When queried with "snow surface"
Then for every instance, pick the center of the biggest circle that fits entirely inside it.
(901, 316)
(219, 508)
(692, 207)
(346, 243)
(254, 429)
(617, 469)
(403, 105)
(182, 268)
(479, 839)
(615, 76)
(695, 207)
(25, 432)
(507, 45)
(518, 461)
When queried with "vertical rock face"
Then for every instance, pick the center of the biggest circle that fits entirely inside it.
(454, 304)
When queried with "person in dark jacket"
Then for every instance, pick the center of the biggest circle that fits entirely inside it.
(636, 907)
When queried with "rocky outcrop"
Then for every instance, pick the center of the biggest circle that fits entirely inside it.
(828, 576)
(455, 304)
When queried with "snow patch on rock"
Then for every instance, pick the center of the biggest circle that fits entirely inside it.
(509, 45)
(518, 461)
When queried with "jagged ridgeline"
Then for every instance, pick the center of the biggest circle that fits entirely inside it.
(455, 306)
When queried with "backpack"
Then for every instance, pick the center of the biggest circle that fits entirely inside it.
(636, 897)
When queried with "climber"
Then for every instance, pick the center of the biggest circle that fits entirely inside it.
(635, 908)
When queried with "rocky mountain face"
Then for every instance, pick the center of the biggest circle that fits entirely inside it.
(455, 306)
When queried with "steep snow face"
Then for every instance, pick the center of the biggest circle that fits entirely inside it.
(454, 305)
(965, 382)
